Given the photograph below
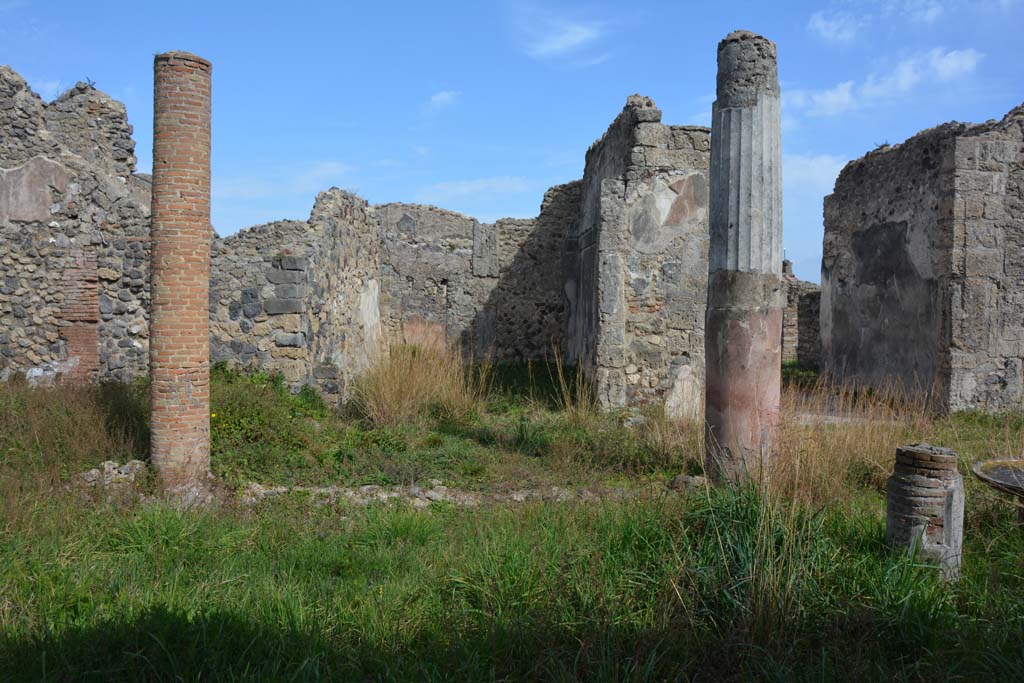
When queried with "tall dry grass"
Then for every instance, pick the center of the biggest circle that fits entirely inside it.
(834, 438)
(410, 382)
(575, 395)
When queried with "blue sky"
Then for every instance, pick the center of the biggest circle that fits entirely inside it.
(479, 107)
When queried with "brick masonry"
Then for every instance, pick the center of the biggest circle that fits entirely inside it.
(180, 235)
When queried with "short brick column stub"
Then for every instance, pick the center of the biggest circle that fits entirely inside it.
(925, 506)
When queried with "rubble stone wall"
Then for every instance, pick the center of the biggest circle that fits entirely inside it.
(611, 273)
(494, 288)
(74, 227)
(636, 262)
(921, 273)
(986, 293)
(800, 333)
(300, 297)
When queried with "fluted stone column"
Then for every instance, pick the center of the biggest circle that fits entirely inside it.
(179, 344)
(743, 340)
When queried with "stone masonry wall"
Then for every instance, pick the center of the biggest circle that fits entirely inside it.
(300, 298)
(636, 263)
(885, 265)
(611, 273)
(986, 295)
(921, 285)
(494, 288)
(74, 225)
(800, 333)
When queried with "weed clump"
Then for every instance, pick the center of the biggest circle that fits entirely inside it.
(410, 382)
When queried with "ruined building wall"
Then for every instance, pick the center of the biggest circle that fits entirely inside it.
(611, 273)
(885, 265)
(800, 333)
(494, 288)
(300, 297)
(636, 262)
(434, 270)
(986, 294)
(74, 225)
(921, 274)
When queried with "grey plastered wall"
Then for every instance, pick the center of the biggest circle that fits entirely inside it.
(922, 274)
(885, 265)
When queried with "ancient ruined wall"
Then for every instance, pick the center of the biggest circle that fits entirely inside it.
(258, 290)
(528, 302)
(986, 296)
(922, 275)
(300, 298)
(494, 288)
(800, 331)
(808, 346)
(886, 264)
(435, 271)
(611, 273)
(636, 262)
(74, 224)
(343, 303)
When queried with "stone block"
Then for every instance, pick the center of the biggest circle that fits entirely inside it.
(280, 306)
(290, 291)
(293, 262)
(293, 339)
(285, 277)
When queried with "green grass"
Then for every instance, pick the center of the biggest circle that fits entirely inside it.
(261, 432)
(728, 585)
(725, 586)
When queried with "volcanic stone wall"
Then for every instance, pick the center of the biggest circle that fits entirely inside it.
(74, 226)
(300, 297)
(635, 267)
(921, 271)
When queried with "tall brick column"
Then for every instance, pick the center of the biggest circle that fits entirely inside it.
(743, 335)
(179, 327)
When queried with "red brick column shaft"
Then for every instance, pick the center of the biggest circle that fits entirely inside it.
(179, 345)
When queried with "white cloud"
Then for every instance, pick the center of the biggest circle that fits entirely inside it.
(443, 99)
(834, 100)
(835, 28)
(305, 180)
(548, 35)
(899, 81)
(559, 38)
(935, 66)
(441, 193)
(811, 173)
(48, 90)
(953, 64)
(925, 12)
